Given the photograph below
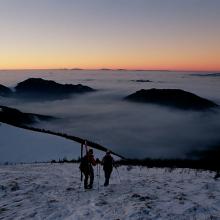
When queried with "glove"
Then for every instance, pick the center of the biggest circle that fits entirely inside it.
(116, 166)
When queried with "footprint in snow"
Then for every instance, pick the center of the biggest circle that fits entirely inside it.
(101, 203)
(70, 189)
(135, 196)
(141, 198)
(14, 186)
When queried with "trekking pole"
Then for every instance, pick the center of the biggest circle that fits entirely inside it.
(81, 176)
(118, 175)
(98, 174)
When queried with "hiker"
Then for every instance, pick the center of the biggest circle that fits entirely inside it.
(86, 167)
(108, 163)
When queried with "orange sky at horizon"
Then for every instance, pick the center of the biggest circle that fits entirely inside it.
(146, 34)
(165, 62)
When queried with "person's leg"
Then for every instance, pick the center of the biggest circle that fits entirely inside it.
(106, 179)
(91, 178)
(110, 172)
(86, 180)
(107, 176)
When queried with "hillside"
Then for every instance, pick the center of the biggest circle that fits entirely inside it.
(175, 98)
(5, 91)
(20, 145)
(37, 88)
(54, 191)
(16, 117)
(41, 89)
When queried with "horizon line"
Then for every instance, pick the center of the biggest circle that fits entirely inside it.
(110, 69)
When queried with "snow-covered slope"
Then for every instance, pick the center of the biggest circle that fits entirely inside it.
(19, 145)
(54, 191)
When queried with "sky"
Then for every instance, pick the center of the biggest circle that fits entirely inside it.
(93, 34)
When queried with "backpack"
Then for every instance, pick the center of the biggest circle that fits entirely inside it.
(84, 164)
(108, 162)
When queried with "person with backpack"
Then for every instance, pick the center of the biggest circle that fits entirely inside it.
(86, 167)
(108, 163)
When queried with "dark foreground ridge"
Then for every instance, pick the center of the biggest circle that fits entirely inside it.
(69, 137)
(200, 164)
(23, 120)
(175, 98)
(16, 117)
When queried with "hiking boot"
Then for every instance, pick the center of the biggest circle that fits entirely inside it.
(89, 187)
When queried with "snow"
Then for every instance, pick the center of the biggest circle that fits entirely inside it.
(54, 191)
(24, 146)
(20, 145)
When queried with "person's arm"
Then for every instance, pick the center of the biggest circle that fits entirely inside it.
(103, 160)
(113, 163)
(92, 160)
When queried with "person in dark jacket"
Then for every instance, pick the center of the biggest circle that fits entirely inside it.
(108, 163)
(86, 166)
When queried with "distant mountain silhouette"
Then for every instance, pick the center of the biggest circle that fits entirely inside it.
(106, 69)
(206, 75)
(120, 69)
(77, 68)
(173, 98)
(16, 117)
(38, 88)
(5, 91)
(141, 80)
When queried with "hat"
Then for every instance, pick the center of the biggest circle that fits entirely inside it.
(108, 152)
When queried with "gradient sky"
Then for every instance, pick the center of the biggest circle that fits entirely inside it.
(132, 34)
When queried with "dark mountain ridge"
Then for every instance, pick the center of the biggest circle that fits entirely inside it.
(5, 91)
(36, 87)
(16, 117)
(41, 89)
(175, 98)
